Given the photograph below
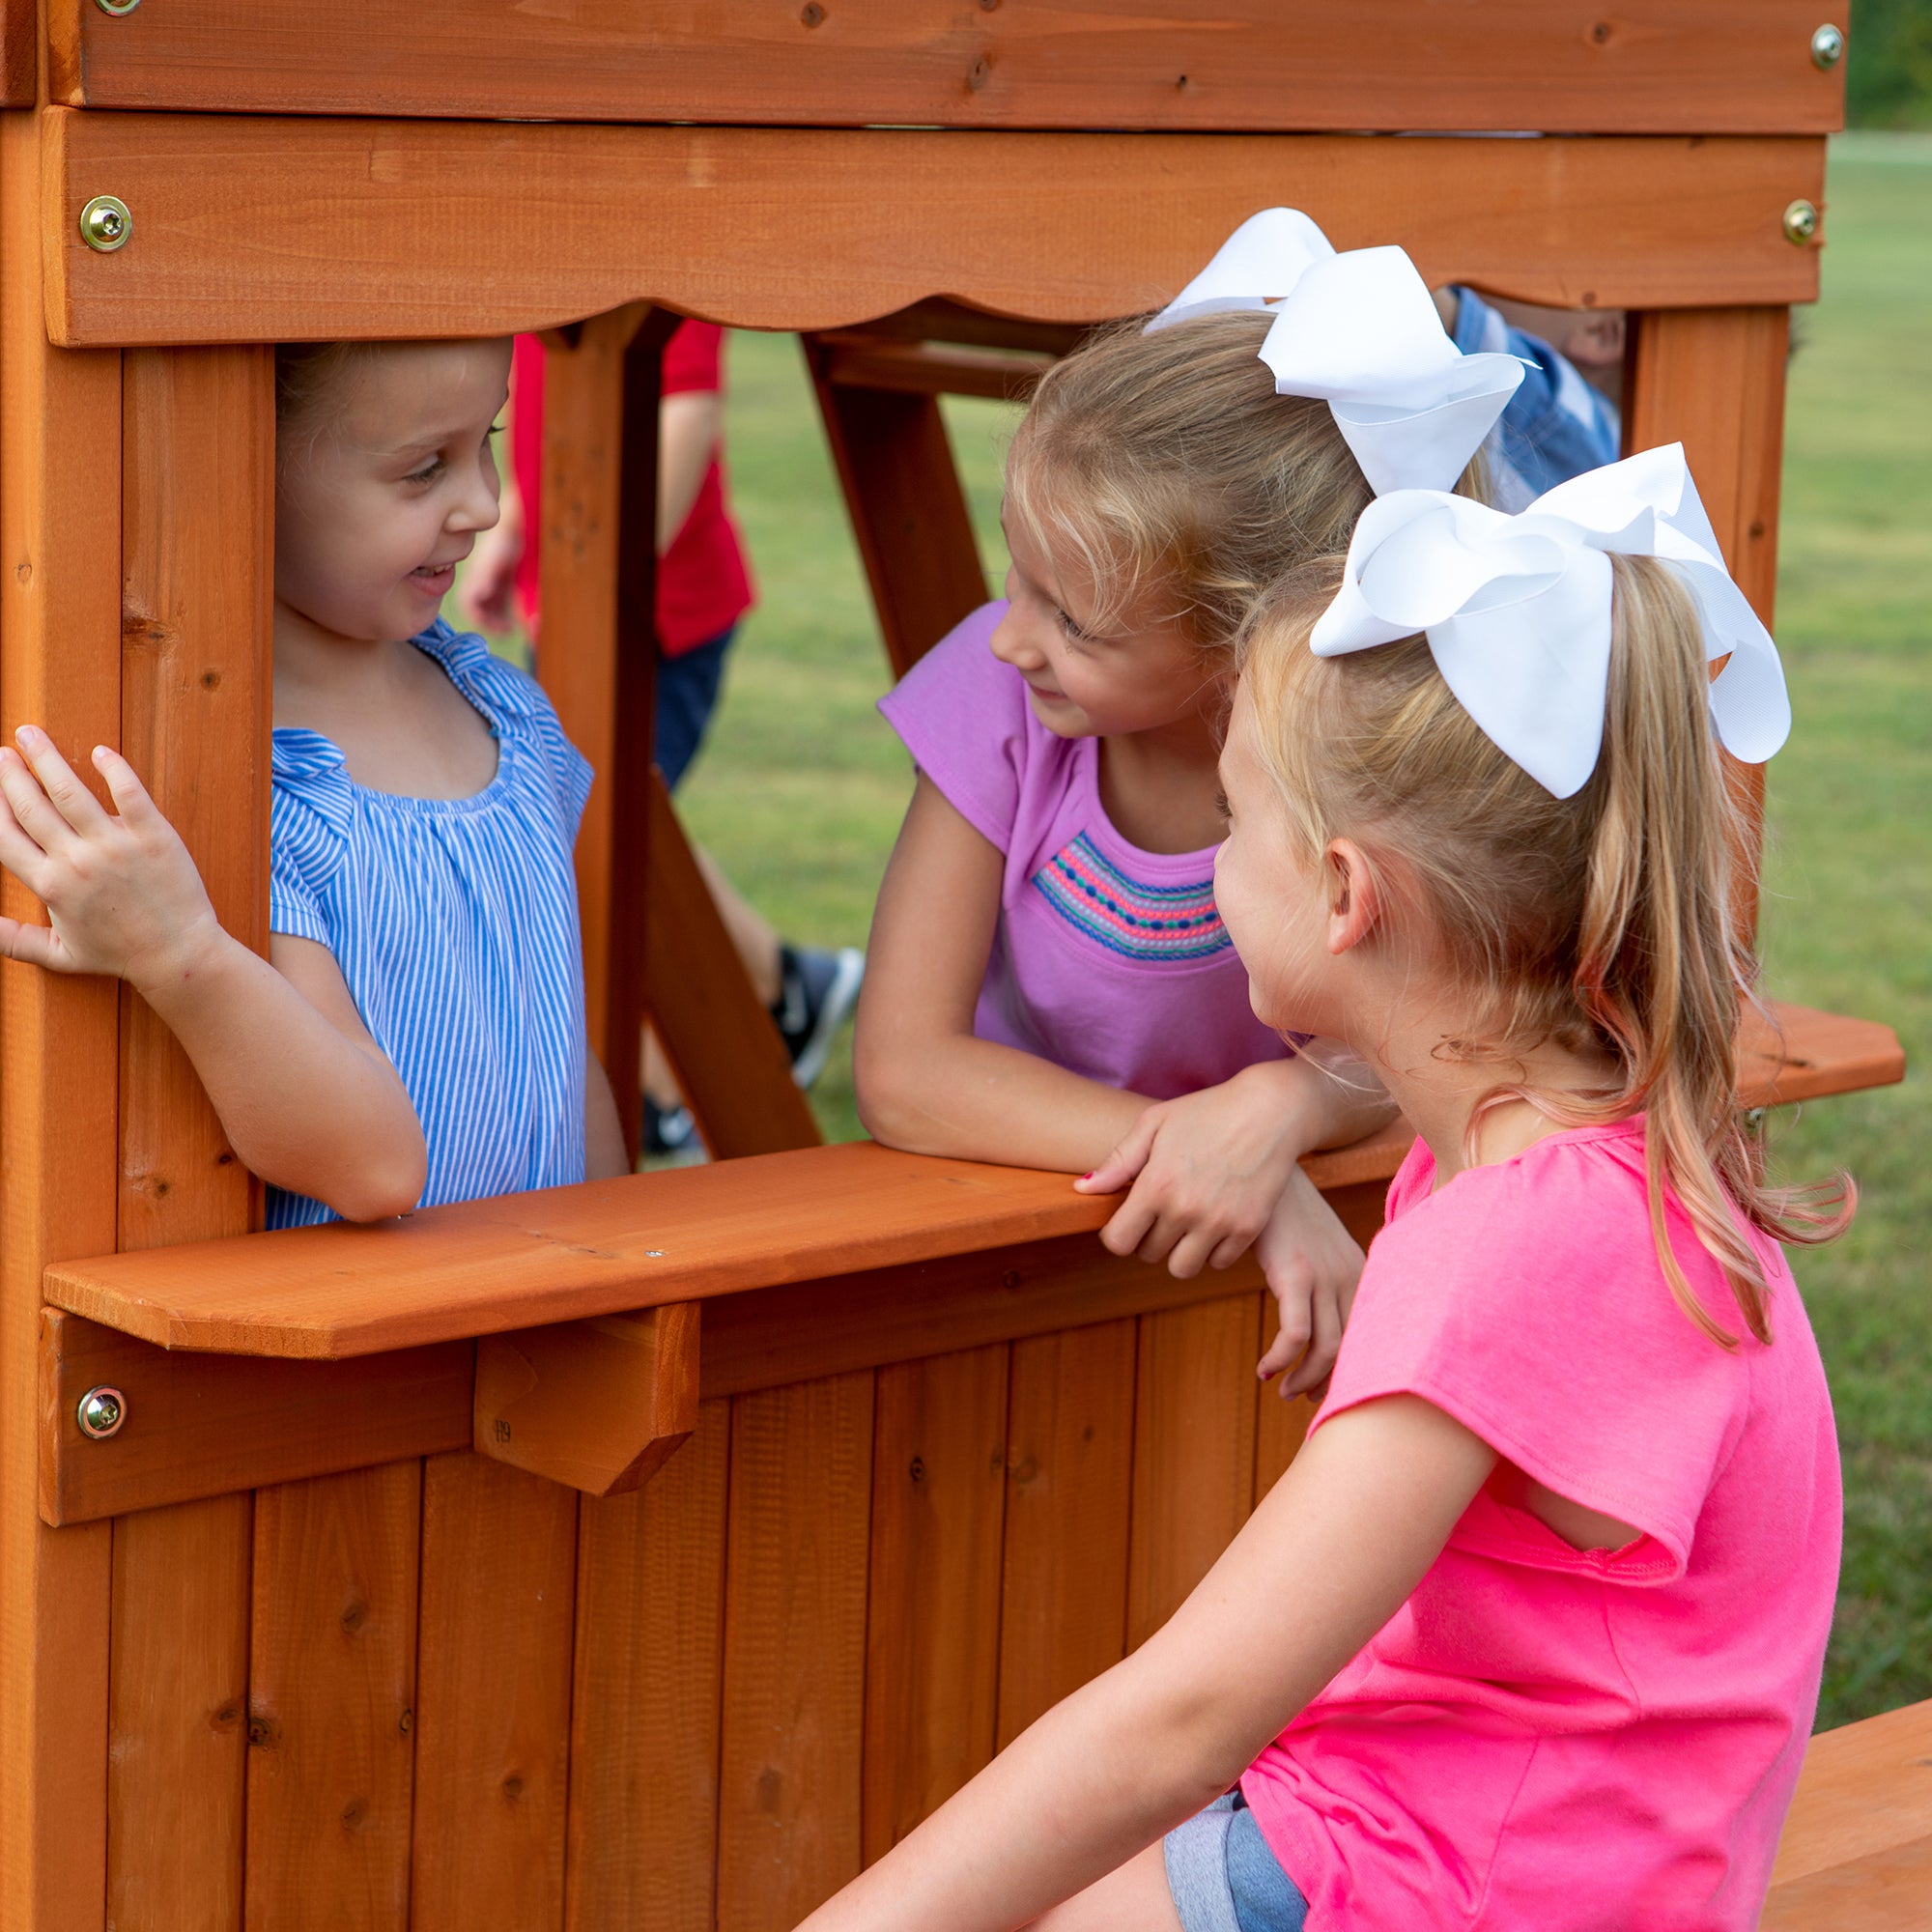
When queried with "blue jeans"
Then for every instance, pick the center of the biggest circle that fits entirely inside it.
(1225, 1879)
(687, 687)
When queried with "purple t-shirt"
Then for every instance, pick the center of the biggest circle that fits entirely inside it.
(1109, 961)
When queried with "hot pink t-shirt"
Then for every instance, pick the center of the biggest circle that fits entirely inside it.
(1109, 961)
(1544, 1739)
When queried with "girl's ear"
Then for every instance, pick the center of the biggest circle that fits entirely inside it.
(1355, 899)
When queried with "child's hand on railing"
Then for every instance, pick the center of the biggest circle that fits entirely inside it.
(122, 893)
(1205, 1172)
(1311, 1265)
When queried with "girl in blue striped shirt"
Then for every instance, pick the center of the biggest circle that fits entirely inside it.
(416, 1034)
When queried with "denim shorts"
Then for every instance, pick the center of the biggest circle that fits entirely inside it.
(687, 687)
(1225, 1879)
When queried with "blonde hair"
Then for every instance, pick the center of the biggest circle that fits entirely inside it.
(1601, 923)
(311, 391)
(1168, 465)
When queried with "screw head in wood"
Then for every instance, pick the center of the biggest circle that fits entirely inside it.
(106, 224)
(102, 1412)
(117, 7)
(1801, 223)
(1828, 46)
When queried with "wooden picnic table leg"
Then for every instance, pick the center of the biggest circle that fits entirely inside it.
(60, 617)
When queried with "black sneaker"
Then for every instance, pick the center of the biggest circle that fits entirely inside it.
(817, 990)
(669, 1129)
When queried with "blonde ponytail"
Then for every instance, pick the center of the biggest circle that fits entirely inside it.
(1602, 920)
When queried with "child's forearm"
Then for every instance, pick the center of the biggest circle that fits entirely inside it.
(1337, 1096)
(304, 1106)
(974, 1099)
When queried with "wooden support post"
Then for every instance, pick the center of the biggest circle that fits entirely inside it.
(197, 498)
(727, 1055)
(598, 1405)
(60, 618)
(908, 510)
(1713, 378)
(598, 654)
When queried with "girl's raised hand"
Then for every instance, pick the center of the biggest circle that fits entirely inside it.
(122, 893)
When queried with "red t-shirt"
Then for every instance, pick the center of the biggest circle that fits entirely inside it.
(704, 585)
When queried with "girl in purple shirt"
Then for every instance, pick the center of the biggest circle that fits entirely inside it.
(1050, 982)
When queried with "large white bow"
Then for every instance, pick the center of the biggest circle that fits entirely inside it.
(1517, 609)
(1360, 333)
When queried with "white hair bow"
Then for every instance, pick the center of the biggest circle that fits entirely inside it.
(1517, 609)
(1360, 333)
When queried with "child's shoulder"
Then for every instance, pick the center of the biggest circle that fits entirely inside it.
(960, 670)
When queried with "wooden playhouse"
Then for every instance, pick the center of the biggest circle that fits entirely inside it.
(347, 1578)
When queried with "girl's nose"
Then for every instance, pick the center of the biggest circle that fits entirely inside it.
(1009, 645)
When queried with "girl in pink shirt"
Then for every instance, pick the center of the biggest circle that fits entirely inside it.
(1050, 982)
(1529, 1635)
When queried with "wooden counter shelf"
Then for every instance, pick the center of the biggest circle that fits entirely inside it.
(780, 1268)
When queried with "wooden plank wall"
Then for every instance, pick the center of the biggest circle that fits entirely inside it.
(60, 666)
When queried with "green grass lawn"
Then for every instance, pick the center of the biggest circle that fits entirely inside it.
(801, 789)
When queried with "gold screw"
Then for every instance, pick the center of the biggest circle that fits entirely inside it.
(101, 1412)
(106, 224)
(117, 7)
(1801, 224)
(1828, 46)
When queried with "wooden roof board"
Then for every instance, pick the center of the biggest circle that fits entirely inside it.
(251, 230)
(1694, 67)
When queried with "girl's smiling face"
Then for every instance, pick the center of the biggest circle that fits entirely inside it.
(375, 510)
(1084, 684)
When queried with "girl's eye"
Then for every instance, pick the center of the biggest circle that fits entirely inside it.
(428, 473)
(1072, 629)
(1222, 805)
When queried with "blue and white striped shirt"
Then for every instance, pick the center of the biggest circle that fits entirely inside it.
(454, 922)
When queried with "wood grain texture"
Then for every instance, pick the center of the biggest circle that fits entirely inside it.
(1864, 1788)
(198, 494)
(1194, 1451)
(599, 1405)
(200, 1426)
(60, 618)
(389, 229)
(177, 1713)
(597, 651)
(1887, 1890)
(599, 1248)
(932, 1628)
(1069, 1475)
(688, 1234)
(1713, 378)
(644, 1713)
(197, 500)
(1560, 64)
(908, 510)
(730, 1060)
(1280, 1427)
(492, 1698)
(788, 1803)
(767, 1337)
(20, 35)
(331, 1702)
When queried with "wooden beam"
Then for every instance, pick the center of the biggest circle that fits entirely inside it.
(249, 230)
(908, 507)
(197, 540)
(210, 1426)
(603, 1247)
(728, 1056)
(481, 1267)
(599, 1405)
(1564, 65)
(854, 360)
(59, 612)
